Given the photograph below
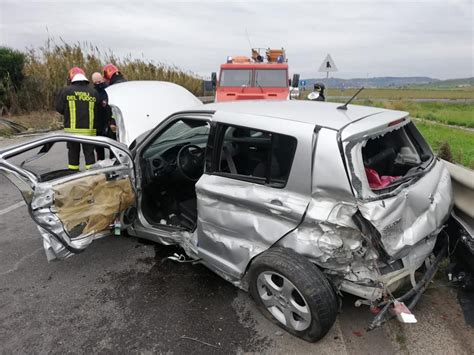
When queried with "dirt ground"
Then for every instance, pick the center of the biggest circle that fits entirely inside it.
(35, 121)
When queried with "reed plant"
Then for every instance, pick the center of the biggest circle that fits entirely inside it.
(46, 71)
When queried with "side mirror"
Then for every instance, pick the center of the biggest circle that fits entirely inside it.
(214, 80)
(296, 80)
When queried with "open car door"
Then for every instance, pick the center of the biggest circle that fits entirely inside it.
(71, 208)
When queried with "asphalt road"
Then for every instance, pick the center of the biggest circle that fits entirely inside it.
(119, 296)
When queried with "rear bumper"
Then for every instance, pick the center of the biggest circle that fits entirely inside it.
(413, 295)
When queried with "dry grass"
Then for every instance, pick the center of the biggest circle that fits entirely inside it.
(46, 71)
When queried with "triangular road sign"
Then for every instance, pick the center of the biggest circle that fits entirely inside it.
(328, 65)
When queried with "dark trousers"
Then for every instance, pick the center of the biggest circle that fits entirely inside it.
(100, 150)
(74, 151)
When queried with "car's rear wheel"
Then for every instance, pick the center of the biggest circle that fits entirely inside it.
(293, 293)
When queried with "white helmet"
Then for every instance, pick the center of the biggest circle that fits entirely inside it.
(79, 77)
(313, 95)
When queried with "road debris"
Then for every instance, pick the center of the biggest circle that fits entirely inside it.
(200, 341)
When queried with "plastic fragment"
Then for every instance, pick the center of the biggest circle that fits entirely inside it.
(403, 314)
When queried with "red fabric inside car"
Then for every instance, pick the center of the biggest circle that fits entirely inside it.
(378, 182)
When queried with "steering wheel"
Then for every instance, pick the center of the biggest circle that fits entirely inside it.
(190, 162)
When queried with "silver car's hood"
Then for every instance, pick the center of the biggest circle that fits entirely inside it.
(144, 104)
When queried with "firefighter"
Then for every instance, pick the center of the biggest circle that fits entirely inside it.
(79, 103)
(105, 113)
(113, 75)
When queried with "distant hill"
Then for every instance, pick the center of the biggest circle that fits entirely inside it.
(377, 82)
(447, 84)
(412, 82)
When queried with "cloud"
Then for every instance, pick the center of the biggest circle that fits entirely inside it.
(375, 38)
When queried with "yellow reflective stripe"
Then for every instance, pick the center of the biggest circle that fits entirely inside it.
(73, 167)
(91, 114)
(88, 167)
(72, 113)
(83, 131)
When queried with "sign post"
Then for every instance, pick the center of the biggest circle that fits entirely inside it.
(327, 66)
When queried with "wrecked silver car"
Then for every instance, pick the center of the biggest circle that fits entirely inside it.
(293, 201)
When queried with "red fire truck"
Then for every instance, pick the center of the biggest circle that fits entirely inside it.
(255, 78)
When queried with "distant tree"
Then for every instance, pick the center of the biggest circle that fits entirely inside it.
(11, 75)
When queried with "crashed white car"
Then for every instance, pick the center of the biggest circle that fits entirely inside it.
(294, 201)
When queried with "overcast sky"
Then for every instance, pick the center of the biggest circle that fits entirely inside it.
(372, 37)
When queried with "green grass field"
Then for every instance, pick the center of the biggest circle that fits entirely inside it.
(404, 94)
(460, 141)
(455, 114)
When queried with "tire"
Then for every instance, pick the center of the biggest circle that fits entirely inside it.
(293, 293)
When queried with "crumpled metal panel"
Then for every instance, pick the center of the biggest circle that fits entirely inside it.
(54, 250)
(417, 211)
(92, 203)
(329, 237)
(234, 224)
(72, 213)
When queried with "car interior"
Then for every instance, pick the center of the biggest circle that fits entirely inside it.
(171, 164)
(395, 153)
(174, 161)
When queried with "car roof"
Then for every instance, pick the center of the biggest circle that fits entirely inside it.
(319, 113)
(145, 104)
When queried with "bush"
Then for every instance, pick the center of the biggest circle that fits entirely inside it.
(11, 76)
(444, 152)
(11, 66)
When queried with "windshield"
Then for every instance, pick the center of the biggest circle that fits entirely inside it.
(236, 77)
(182, 130)
(274, 78)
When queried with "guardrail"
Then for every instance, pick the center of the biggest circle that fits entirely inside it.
(463, 187)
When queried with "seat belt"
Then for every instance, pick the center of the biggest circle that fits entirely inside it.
(229, 160)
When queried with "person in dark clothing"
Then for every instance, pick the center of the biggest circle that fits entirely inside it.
(113, 75)
(105, 113)
(79, 103)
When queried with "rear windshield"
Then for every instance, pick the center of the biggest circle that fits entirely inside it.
(235, 77)
(275, 78)
(395, 157)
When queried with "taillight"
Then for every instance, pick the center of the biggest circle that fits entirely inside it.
(393, 123)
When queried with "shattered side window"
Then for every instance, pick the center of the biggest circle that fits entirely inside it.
(51, 160)
(258, 156)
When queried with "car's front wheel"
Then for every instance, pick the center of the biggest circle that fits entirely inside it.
(293, 293)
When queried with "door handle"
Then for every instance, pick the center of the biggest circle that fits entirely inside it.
(276, 205)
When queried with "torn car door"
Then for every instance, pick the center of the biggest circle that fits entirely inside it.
(71, 210)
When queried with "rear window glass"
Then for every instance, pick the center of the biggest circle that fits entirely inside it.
(236, 77)
(390, 157)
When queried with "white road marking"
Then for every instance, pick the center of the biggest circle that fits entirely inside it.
(18, 263)
(11, 208)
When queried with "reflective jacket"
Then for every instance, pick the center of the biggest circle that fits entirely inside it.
(79, 103)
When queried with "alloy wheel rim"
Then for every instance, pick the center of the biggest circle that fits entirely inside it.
(283, 300)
